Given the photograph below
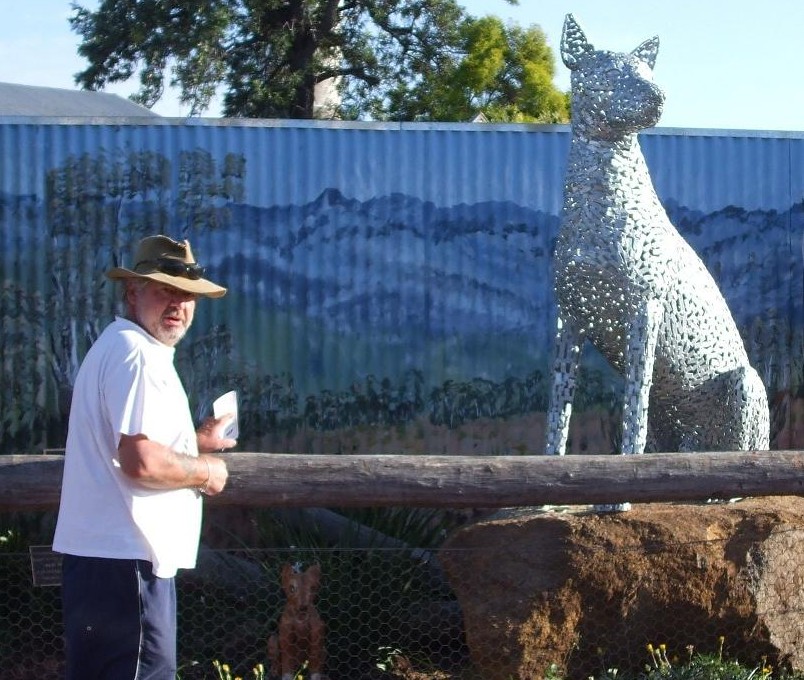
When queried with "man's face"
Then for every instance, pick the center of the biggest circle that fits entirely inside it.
(165, 312)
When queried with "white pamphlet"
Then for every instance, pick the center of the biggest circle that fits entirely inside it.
(227, 403)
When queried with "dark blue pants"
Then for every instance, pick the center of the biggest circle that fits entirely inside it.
(119, 620)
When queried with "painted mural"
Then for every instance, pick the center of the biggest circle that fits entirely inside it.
(389, 286)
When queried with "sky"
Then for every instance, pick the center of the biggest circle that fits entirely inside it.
(723, 64)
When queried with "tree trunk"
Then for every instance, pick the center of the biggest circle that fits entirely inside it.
(295, 480)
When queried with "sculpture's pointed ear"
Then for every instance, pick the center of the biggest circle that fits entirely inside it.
(647, 51)
(573, 43)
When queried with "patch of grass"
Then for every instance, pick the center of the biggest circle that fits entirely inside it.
(697, 666)
(394, 663)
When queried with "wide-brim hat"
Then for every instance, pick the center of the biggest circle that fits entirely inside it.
(160, 258)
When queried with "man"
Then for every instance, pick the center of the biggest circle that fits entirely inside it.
(130, 512)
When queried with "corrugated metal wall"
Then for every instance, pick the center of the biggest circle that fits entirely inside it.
(389, 284)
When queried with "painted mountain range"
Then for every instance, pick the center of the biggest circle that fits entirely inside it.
(463, 289)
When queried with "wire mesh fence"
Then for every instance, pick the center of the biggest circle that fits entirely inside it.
(384, 613)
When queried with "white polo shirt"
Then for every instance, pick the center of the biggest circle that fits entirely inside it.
(127, 384)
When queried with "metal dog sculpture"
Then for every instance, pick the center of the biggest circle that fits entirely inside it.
(628, 282)
(301, 630)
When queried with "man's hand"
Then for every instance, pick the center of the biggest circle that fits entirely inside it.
(210, 434)
(218, 474)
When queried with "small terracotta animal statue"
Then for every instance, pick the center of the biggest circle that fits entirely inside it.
(628, 282)
(301, 630)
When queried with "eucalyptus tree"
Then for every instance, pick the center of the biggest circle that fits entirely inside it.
(266, 57)
(346, 59)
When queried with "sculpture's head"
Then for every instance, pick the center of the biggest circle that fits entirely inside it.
(613, 94)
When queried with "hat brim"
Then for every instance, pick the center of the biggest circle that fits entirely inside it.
(195, 286)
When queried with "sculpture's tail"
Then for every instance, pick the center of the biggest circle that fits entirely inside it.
(755, 435)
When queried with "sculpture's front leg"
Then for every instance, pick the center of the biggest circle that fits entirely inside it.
(640, 357)
(566, 355)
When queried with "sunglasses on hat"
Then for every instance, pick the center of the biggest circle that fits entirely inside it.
(173, 267)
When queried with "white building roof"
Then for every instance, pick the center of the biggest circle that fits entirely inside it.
(31, 100)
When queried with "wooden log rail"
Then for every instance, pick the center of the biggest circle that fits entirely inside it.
(31, 482)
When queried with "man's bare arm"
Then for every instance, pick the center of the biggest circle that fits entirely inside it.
(156, 466)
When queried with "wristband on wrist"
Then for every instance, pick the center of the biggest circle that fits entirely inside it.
(203, 487)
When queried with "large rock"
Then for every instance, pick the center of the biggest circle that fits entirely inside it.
(589, 591)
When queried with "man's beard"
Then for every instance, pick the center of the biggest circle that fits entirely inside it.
(170, 336)
(167, 335)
